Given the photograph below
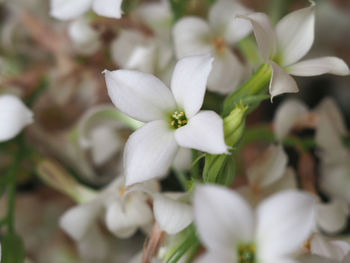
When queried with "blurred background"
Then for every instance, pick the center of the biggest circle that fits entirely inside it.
(63, 83)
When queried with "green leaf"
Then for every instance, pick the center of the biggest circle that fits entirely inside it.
(12, 249)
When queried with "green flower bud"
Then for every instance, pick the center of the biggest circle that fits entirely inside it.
(234, 125)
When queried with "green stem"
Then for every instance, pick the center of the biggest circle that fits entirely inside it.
(12, 178)
(256, 85)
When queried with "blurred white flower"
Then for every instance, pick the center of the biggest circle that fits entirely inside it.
(85, 39)
(68, 9)
(232, 232)
(195, 36)
(149, 52)
(288, 114)
(268, 174)
(285, 45)
(123, 215)
(173, 117)
(327, 251)
(14, 116)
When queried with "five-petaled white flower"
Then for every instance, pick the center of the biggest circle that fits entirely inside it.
(195, 36)
(68, 9)
(14, 116)
(232, 232)
(173, 117)
(285, 45)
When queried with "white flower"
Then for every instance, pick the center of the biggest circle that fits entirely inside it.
(285, 45)
(194, 36)
(68, 9)
(232, 232)
(173, 117)
(14, 116)
(85, 39)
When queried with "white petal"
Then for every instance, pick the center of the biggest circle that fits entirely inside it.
(319, 66)
(268, 167)
(332, 217)
(76, 222)
(104, 144)
(286, 182)
(222, 218)
(149, 152)
(94, 246)
(85, 39)
(287, 115)
(203, 132)
(189, 81)
(329, 107)
(295, 34)
(183, 159)
(281, 82)
(320, 246)
(14, 116)
(123, 221)
(171, 215)
(139, 95)
(286, 214)
(132, 50)
(264, 34)
(210, 257)
(108, 8)
(191, 37)
(222, 19)
(68, 9)
(227, 73)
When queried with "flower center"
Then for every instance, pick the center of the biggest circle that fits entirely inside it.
(246, 253)
(219, 43)
(178, 119)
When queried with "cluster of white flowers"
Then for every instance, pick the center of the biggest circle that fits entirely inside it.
(266, 219)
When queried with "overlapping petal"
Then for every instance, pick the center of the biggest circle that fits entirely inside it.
(189, 81)
(264, 34)
(286, 214)
(14, 116)
(222, 80)
(295, 34)
(139, 95)
(319, 66)
(149, 152)
(204, 132)
(191, 37)
(281, 82)
(222, 218)
(221, 20)
(171, 214)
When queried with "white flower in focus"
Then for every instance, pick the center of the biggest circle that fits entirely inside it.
(285, 45)
(14, 116)
(85, 39)
(71, 9)
(232, 232)
(195, 36)
(173, 116)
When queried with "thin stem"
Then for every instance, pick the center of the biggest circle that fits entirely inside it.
(12, 178)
